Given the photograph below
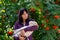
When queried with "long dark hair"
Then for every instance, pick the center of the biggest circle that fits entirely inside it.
(21, 11)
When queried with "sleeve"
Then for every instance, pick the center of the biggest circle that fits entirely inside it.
(33, 28)
(14, 28)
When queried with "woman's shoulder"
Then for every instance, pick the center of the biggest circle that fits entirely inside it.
(17, 23)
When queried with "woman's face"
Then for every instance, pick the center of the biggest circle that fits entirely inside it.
(25, 15)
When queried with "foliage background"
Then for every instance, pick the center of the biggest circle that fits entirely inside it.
(45, 12)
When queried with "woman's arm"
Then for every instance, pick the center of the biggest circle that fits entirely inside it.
(14, 28)
(22, 32)
(33, 28)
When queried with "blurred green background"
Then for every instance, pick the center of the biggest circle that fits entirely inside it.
(45, 12)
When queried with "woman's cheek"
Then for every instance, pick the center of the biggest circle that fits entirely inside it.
(23, 16)
(26, 15)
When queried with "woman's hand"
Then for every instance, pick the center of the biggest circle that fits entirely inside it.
(22, 34)
(21, 38)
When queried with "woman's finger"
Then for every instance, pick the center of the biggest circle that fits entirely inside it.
(22, 33)
(21, 38)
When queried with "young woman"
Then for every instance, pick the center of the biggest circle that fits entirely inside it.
(23, 20)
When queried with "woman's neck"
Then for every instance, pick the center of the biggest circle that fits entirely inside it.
(23, 21)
